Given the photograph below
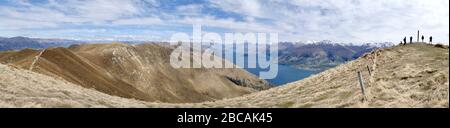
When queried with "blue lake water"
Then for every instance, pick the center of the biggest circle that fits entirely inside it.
(286, 74)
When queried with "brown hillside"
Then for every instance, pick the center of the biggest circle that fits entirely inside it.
(403, 76)
(141, 72)
(415, 75)
(22, 88)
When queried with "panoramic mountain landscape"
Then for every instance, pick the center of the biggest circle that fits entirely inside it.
(297, 60)
(224, 54)
(414, 75)
(141, 72)
(322, 55)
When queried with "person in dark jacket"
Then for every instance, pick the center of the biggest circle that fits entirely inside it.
(431, 39)
(404, 41)
(410, 40)
(423, 38)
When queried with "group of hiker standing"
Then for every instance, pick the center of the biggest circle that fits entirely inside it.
(411, 38)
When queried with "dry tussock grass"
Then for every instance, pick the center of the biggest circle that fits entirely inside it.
(402, 76)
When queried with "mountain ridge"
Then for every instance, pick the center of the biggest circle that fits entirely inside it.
(141, 72)
(415, 75)
(20, 42)
(321, 55)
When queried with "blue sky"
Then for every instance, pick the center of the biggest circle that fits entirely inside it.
(349, 21)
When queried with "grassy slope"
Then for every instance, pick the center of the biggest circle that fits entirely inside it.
(403, 76)
(22, 88)
(141, 72)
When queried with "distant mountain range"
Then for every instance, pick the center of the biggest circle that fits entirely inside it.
(312, 55)
(322, 55)
(18, 43)
(404, 76)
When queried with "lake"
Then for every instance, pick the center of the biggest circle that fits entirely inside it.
(286, 74)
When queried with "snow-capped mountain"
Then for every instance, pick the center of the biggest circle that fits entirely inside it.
(323, 54)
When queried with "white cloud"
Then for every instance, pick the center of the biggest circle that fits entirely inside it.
(96, 10)
(339, 20)
(71, 11)
(139, 21)
(230, 24)
(245, 7)
(14, 24)
(357, 20)
(190, 10)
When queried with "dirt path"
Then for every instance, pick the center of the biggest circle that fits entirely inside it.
(36, 59)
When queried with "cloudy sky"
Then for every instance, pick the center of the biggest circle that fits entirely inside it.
(346, 21)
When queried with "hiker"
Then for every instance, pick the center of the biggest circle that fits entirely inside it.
(410, 40)
(404, 41)
(423, 38)
(431, 39)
